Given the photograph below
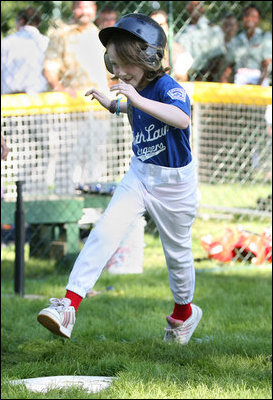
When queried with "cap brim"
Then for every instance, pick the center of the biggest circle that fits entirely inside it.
(106, 33)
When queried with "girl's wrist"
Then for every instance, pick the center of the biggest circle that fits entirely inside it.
(115, 107)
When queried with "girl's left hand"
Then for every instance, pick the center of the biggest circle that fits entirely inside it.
(127, 90)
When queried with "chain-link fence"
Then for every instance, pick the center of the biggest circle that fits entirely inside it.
(229, 140)
(207, 46)
(214, 10)
(70, 154)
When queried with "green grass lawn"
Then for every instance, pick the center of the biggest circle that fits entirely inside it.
(235, 195)
(119, 333)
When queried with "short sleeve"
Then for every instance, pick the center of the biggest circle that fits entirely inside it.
(267, 46)
(176, 95)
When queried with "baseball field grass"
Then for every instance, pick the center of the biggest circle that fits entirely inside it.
(119, 332)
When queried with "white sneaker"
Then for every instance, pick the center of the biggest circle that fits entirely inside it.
(179, 331)
(59, 317)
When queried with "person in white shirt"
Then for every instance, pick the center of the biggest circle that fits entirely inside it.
(22, 56)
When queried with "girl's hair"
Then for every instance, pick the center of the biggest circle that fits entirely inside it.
(134, 51)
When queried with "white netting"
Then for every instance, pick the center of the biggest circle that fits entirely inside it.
(234, 144)
(52, 153)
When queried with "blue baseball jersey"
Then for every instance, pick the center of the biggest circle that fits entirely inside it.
(154, 141)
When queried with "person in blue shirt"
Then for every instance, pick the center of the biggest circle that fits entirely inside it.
(161, 179)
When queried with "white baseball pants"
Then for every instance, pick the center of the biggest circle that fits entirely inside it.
(170, 197)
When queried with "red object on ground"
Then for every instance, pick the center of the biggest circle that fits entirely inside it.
(240, 244)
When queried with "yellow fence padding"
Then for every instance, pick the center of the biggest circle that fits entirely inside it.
(228, 93)
(199, 92)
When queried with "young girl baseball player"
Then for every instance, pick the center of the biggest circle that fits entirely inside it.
(161, 178)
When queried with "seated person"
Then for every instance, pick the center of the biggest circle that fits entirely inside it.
(229, 27)
(202, 40)
(249, 54)
(181, 59)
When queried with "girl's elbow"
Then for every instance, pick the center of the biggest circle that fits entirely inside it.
(184, 123)
(184, 126)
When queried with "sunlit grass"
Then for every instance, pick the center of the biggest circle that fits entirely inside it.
(119, 332)
(243, 196)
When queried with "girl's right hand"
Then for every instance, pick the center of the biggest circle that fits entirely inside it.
(102, 99)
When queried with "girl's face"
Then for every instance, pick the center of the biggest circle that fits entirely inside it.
(128, 73)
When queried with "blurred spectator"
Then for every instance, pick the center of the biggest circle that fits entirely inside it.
(74, 59)
(107, 17)
(74, 63)
(182, 60)
(250, 52)
(22, 56)
(229, 29)
(202, 40)
(4, 148)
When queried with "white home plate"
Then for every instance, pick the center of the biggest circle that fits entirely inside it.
(92, 384)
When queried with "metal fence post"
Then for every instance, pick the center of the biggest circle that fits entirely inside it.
(196, 137)
(19, 242)
(170, 36)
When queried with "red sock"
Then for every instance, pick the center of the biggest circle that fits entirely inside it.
(181, 311)
(75, 299)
